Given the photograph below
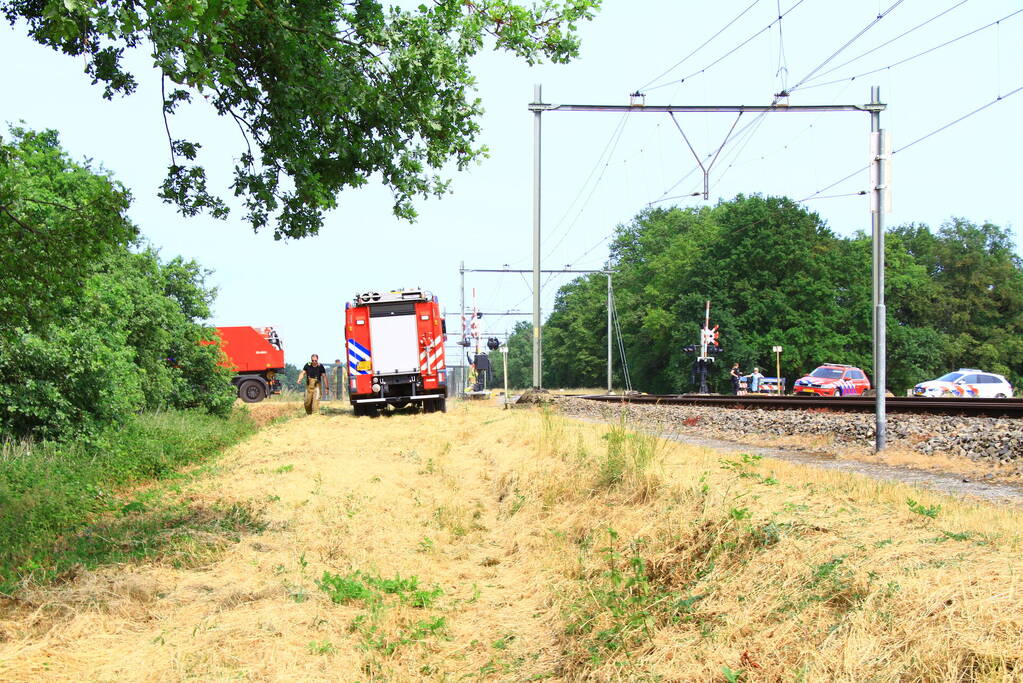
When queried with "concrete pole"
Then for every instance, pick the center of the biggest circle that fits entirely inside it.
(504, 351)
(537, 347)
(609, 389)
(461, 311)
(880, 314)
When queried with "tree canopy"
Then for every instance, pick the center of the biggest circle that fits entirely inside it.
(325, 95)
(776, 275)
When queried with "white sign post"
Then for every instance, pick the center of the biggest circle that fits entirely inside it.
(504, 350)
(777, 366)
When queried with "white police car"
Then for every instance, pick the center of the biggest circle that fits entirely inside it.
(966, 383)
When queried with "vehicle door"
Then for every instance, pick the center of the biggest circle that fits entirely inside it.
(987, 386)
(968, 386)
(858, 381)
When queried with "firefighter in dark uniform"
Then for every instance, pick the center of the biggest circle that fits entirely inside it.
(315, 375)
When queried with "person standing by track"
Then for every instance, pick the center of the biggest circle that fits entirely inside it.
(734, 374)
(755, 380)
(314, 375)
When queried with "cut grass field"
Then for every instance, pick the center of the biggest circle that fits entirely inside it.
(484, 544)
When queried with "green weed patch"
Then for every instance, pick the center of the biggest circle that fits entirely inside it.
(61, 507)
(384, 626)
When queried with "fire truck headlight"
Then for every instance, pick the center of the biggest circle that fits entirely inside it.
(376, 387)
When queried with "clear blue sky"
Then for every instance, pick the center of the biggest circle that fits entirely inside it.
(599, 169)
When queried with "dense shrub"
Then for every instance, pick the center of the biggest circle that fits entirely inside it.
(94, 327)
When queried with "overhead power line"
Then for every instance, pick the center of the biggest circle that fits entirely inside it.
(849, 42)
(608, 152)
(920, 139)
(702, 45)
(917, 55)
(783, 66)
(730, 52)
(889, 42)
(961, 118)
(742, 139)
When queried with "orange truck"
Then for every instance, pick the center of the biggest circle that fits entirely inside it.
(395, 347)
(256, 356)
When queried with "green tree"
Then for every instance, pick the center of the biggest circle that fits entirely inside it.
(92, 331)
(57, 219)
(776, 274)
(325, 94)
(974, 294)
(520, 358)
(575, 335)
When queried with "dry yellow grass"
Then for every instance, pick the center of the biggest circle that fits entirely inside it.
(562, 550)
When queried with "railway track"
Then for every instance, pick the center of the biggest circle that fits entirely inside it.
(993, 407)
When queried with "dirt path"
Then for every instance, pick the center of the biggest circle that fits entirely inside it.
(338, 495)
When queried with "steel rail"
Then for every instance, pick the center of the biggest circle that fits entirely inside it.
(991, 407)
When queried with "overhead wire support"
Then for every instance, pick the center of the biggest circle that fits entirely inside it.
(696, 108)
(714, 157)
(874, 108)
(559, 270)
(536, 271)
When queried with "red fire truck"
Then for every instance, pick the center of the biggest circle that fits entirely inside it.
(395, 346)
(256, 355)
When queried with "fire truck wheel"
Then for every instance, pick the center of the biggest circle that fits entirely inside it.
(442, 405)
(428, 405)
(251, 391)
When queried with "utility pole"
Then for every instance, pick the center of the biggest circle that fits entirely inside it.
(878, 200)
(537, 358)
(461, 311)
(504, 352)
(609, 390)
(878, 195)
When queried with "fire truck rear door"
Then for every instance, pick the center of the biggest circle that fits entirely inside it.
(392, 332)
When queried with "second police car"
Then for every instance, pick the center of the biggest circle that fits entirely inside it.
(966, 383)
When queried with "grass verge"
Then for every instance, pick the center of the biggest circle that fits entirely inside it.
(668, 562)
(513, 545)
(64, 505)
